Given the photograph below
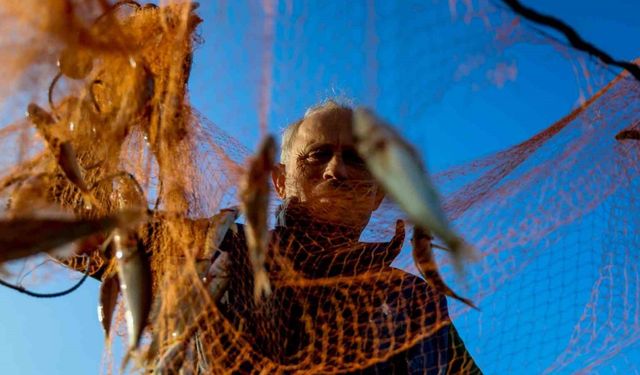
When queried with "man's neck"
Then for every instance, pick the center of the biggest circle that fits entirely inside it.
(295, 217)
(321, 249)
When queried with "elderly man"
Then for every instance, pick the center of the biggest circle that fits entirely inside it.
(337, 304)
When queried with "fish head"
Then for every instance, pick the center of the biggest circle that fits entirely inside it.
(365, 126)
(373, 135)
(260, 166)
(39, 116)
(267, 152)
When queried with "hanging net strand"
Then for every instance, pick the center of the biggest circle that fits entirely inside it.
(572, 36)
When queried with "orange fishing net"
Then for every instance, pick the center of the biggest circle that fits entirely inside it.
(563, 200)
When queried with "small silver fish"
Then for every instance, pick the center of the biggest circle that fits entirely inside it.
(63, 151)
(254, 198)
(425, 262)
(134, 271)
(134, 274)
(68, 162)
(398, 168)
(109, 290)
(23, 237)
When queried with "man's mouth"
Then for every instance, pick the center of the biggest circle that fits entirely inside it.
(327, 189)
(338, 190)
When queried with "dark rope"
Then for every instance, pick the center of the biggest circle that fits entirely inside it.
(48, 295)
(50, 93)
(572, 36)
(158, 198)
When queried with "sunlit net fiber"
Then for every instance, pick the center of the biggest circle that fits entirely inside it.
(536, 242)
(561, 201)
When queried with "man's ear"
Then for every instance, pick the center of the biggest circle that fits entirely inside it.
(279, 178)
(379, 197)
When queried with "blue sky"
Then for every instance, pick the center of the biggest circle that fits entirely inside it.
(322, 49)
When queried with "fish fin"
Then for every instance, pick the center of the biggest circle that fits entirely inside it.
(433, 278)
(426, 264)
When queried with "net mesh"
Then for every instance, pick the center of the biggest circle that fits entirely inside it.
(554, 218)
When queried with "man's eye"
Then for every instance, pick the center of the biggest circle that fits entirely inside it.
(351, 157)
(319, 156)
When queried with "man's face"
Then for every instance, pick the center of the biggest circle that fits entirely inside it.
(325, 172)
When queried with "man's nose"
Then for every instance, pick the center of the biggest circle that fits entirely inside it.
(335, 170)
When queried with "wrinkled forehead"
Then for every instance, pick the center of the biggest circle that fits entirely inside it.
(325, 127)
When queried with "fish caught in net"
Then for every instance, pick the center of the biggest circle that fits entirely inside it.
(219, 271)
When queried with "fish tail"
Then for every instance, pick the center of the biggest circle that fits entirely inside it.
(462, 252)
(464, 300)
(127, 358)
(107, 342)
(262, 285)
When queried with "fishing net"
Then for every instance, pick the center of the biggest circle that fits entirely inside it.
(554, 219)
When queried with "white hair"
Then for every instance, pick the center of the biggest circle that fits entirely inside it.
(289, 133)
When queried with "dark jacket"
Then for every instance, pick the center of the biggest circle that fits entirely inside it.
(339, 307)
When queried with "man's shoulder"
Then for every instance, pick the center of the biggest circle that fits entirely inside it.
(416, 293)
